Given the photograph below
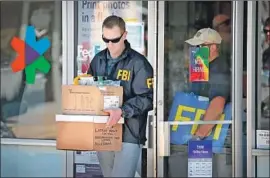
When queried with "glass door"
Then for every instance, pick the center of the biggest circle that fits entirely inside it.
(196, 130)
(261, 151)
(258, 104)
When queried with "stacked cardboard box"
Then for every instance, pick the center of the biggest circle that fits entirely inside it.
(82, 125)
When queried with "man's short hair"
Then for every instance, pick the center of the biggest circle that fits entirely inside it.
(267, 22)
(218, 20)
(113, 21)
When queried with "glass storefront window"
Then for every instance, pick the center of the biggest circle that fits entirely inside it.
(90, 15)
(28, 110)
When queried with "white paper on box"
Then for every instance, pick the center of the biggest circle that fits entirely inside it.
(84, 118)
(263, 139)
(111, 102)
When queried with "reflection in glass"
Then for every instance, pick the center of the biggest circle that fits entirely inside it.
(265, 105)
(89, 22)
(28, 111)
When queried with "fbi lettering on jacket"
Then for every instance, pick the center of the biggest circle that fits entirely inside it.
(150, 82)
(123, 74)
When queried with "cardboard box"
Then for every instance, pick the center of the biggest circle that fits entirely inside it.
(91, 100)
(87, 133)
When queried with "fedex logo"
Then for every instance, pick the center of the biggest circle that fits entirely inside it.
(88, 52)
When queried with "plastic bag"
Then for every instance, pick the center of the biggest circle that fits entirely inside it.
(98, 81)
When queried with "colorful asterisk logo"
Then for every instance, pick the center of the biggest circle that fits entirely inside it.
(30, 55)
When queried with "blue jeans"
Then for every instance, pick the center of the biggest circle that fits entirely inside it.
(124, 163)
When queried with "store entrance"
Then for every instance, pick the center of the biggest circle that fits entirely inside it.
(195, 115)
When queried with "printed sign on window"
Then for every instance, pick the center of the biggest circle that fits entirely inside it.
(199, 64)
(200, 158)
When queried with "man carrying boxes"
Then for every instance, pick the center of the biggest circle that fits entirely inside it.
(118, 62)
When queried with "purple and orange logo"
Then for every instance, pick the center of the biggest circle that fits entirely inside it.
(30, 55)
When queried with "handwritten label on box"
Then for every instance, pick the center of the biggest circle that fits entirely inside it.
(108, 138)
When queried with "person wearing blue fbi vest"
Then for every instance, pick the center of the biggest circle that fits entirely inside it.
(120, 62)
(202, 100)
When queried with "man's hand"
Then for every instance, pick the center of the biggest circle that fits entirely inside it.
(202, 132)
(213, 113)
(115, 116)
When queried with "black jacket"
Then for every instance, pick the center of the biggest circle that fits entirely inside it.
(136, 75)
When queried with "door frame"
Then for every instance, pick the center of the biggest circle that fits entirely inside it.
(152, 134)
(68, 45)
(253, 85)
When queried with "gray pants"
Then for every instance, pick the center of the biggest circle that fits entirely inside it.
(124, 163)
